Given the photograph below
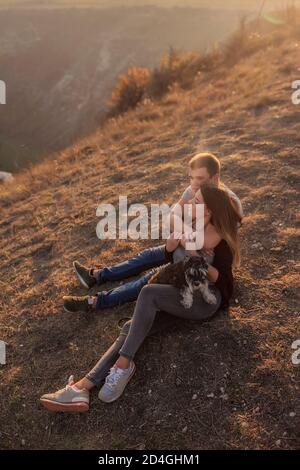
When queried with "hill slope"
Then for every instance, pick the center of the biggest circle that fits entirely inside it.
(245, 115)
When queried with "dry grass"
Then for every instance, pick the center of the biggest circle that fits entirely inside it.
(244, 359)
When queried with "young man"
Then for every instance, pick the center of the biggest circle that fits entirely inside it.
(203, 168)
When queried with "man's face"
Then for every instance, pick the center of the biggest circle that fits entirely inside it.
(200, 176)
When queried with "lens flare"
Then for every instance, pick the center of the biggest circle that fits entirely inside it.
(273, 20)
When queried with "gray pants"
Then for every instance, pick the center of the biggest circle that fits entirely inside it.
(152, 299)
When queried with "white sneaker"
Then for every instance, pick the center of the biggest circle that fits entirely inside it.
(115, 383)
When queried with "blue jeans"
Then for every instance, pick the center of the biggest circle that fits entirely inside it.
(147, 259)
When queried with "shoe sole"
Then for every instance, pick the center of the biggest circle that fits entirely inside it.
(82, 281)
(74, 311)
(116, 398)
(79, 407)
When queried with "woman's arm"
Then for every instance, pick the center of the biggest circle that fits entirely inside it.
(213, 274)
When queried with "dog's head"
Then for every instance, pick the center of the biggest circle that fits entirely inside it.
(195, 270)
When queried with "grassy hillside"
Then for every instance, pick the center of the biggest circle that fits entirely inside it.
(228, 383)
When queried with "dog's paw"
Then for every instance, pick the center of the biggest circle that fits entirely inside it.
(210, 298)
(187, 298)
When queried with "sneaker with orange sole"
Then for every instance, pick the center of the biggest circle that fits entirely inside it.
(67, 399)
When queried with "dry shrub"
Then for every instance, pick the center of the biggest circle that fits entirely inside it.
(173, 68)
(129, 91)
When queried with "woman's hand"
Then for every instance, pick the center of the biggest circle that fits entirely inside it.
(212, 274)
(172, 242)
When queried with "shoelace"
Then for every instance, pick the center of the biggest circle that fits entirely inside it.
(70, 381)
(113, 377)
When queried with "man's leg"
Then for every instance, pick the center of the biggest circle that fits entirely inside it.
(147, 259)
(128, 292)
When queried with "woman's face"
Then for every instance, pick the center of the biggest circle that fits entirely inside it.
(199, 200)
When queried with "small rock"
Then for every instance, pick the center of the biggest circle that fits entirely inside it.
(185, 429)
(292, 414)
(6, 177)
(278, 442)
(23, 442)
(210, 395)
(194, 397)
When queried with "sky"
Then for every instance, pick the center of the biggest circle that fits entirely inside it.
(223, 4)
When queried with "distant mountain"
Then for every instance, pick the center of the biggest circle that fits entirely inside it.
(60, 66)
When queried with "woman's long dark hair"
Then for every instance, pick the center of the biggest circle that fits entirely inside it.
(224, 217)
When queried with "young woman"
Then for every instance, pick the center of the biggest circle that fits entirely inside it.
(221, 223)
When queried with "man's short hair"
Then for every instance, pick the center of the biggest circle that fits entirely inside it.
(208, 161)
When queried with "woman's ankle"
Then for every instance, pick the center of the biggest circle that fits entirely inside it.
(123, 363)
(84, 384)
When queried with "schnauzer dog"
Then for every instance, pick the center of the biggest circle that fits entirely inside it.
(189, 275)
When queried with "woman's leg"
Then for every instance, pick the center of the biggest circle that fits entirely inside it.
(153, 298)
(75, 396)
(156, 297)
(101, 369)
